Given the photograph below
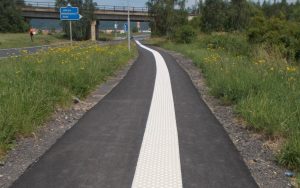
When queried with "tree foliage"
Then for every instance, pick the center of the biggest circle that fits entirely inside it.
(275, 31)
(185, 34)
(167, 16)
(219, 15)
(80, 29)
(10, 17)
(214, 15)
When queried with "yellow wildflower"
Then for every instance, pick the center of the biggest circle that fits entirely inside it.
(261, 61)
(291, 69)
(291, 79)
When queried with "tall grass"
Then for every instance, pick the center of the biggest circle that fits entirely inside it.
(32, 86)
(264, 88)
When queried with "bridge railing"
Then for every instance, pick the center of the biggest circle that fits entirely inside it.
(36, 4)
(98, 7)
(121, 8)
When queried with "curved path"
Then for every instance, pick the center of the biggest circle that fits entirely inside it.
(152, 130)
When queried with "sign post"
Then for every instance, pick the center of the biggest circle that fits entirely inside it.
(70, 13)
(71, 37)
(128, 24)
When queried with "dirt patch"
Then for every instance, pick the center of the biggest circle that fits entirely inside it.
(256, 150)
(28, 150)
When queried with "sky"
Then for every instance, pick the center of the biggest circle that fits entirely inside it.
(135, 3)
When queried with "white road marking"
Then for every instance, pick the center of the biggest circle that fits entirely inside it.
(159, 161)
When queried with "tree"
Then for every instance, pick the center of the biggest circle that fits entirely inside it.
(80, 29)
(167, 15)
(214, 16)
(10, 17)
(238, 15)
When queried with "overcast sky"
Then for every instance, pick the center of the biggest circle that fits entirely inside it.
(136, 3)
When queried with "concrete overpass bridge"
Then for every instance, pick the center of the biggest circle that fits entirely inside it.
(47, 10)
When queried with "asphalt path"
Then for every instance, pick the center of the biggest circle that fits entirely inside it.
(18, 51)
(104, 149)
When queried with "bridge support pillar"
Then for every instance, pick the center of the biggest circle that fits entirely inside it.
(97, 29)
(93, 30)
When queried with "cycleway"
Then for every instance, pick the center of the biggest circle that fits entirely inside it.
(152, 130)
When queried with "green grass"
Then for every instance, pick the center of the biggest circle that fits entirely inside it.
(110, 36)
(33, 86)
(260, 84)
(18, 40)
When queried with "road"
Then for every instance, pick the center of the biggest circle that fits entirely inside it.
(18, 51)
(152, 130)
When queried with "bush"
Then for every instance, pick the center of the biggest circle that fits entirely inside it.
(185, 34)
(274, 31)
(40, 32)
(236, 44)
(135, 30)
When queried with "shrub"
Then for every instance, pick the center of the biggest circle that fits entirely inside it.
(236, 44)
(135, 30)
(185, 34)
(275, 31)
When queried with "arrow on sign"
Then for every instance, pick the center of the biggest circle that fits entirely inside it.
(70, 17)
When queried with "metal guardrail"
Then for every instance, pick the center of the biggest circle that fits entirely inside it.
(98, 7)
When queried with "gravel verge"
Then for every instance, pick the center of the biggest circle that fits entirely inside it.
(28, 150)
(256, 150)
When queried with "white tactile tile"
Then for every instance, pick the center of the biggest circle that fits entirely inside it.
(159, 161)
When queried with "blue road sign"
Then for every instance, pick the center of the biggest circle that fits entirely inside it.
(69, 13)
(70, 17)
(69, 10)
(125, 27)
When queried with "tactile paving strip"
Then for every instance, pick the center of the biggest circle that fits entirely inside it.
(159, 161)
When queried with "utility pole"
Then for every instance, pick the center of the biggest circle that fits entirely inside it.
(128, 24)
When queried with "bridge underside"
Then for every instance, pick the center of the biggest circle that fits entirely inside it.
(100, 15)
(108, 15)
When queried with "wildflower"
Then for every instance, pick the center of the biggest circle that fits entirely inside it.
(271, 68)
(291, 69)
(261, 61)
(291, 79)
(24, 51)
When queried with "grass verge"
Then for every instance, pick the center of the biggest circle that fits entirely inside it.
(32, 86)
(18, 40)
(257, 80)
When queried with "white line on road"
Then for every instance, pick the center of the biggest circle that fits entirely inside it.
(159, 161)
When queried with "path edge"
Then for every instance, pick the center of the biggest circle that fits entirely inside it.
(28, 151)
(261, 162)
